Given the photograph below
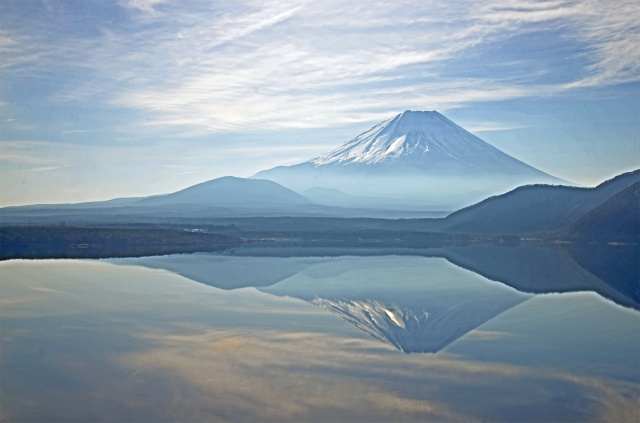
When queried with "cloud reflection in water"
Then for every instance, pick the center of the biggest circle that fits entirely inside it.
(129, 343)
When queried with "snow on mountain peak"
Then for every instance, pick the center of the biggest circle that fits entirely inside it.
(418, 155)
(410, 134)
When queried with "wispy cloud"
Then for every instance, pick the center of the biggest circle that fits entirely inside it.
(17, 125)
(277, 148)
(613, 35)
(18, 158)
(146, 6)
(487, 126)
(6, 40)
(24, 151)
(44, 168)
(257, 65)
(275, 83)
(30, 156)
(233, 26)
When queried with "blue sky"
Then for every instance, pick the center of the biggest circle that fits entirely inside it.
(102, 99)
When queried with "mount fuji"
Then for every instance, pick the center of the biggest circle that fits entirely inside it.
(415, 157)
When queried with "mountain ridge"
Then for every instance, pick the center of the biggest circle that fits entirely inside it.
(416, 155)
(536, 208)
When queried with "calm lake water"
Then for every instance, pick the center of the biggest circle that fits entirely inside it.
(226, 337)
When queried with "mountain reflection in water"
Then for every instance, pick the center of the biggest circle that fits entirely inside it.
(417, 304)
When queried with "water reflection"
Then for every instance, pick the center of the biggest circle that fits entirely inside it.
(611, 271)
(418, 304)
(92, 341)
(414, 304)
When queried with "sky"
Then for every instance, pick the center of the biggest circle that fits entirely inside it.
(115, 98)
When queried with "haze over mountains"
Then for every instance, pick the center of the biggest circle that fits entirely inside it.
(227, 196)
(418, 158)
(414, 163)
(230, 191)
(606, 213)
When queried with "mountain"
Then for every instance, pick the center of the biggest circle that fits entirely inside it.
(418, 156)
(229, 191)
(538, 208)
(222, 197)
(617, 219)
(425, 141)
(227, 196)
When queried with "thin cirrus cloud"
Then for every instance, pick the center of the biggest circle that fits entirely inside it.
(254, 77)
(25, 152)
(146, 6)
(202, 68)
(615, 35)
(30, 156)
(44, 168)
(20, 158)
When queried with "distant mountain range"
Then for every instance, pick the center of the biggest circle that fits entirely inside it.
(225, 192)
(410, 166)
(222, 197)
(419, 158)
(608, 212)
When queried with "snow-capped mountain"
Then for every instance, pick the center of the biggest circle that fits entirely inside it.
(424, 140)
(415, 154)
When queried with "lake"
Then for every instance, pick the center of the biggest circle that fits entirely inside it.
(455, 335)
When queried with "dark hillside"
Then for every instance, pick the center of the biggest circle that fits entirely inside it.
(64, 242)
(617, 219)
(536, 208)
